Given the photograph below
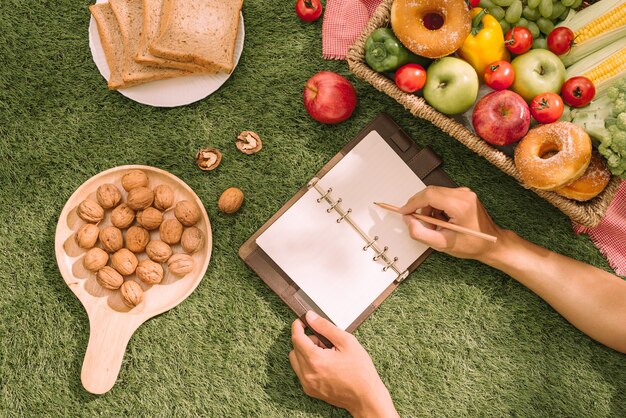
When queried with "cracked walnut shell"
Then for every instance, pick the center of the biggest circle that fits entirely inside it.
(140, 198)
(187, 213)
(180, 264)
(191, 240)
(208, 159)
(158, 251)
(95, 259)
(111, 239)
(150, 218)
(248, 142)
(122, 216)
(108, 196)
(90, 211)
(87, 236)
(109, 278)
(133, 179)
(171, 231)
(163, 197)
(124, 261)
(149, 272)
(132, 293)
(137, 238)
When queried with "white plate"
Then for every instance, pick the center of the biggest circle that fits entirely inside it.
(171, 92)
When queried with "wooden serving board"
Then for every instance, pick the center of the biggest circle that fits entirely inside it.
(111, 322)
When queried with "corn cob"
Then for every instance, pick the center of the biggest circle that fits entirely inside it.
(613, 19)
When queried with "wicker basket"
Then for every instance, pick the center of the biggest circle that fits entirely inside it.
(585, 213)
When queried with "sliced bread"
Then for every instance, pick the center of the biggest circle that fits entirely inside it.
(129, 15)
(112, 43)
(150, 29)
(199, 31)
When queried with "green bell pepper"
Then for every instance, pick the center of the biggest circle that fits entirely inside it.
(384, 52)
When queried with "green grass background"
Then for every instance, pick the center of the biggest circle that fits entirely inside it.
(456, 339)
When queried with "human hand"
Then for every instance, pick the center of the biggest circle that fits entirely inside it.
(459, 206)
(344, 375)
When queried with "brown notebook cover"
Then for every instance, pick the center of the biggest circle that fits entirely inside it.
(423, 161)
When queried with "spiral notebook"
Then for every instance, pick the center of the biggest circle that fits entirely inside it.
(330, 248)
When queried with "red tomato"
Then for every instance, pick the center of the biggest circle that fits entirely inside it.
(472, 3)
(560, 40)
(578, 91)
(499, 75)
(308, 10)
(546, 107)
(410, 77)
(518, 40)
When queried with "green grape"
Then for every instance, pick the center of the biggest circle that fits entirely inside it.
(545, 25)
(522, 22)
(545, 8)
(506, 26)
(531, 14)
(576, 4)
(514, 12)
(486, 4)
(557, 10)
(497, 12)
(534, 29)
(540, 43)
(564, 14)
(533, 4)
(567, 3)
(503, 3)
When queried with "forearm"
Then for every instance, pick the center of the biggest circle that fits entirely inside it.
(377, 405)
(593, 300)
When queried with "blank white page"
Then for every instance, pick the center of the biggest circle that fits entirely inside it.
(325, 258)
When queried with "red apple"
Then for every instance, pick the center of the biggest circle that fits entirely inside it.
(501, 117)
(329, 97)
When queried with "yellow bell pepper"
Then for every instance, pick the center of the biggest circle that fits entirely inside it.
(485, 44)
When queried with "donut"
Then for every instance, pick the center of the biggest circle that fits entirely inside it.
(553, 155)
(431, 28)
(592, 182)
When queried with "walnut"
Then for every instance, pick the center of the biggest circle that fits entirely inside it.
(122, 216)
(132, 294)
(95, 259)
(158, 251)
(108, 196)
(170, 231)
(180, 264)
(187, 213)
(133, 179)
(231, 200)
(249, 142)
(136, 239)
(124, 262)
(111, 239)
(163, 197)
(150, 218)
(149, 272)
(90, 211)
(208, 159)
(191, 240)
(140, 198)
(87, 236)
(109, 278)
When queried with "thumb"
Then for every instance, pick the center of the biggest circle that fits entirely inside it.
(419, 232)
(326, 328)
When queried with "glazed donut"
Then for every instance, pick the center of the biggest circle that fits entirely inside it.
(416, 24)
(553, 155)
(591, 183)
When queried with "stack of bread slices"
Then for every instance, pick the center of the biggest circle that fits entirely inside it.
(148, 40)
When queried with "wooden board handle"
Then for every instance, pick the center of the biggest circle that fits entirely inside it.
(108, 338)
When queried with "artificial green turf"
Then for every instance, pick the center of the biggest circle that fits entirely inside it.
(456, 339)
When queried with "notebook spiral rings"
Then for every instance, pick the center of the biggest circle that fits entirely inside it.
(380, 252)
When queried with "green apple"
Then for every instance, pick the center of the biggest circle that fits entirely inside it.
(537, 71)
(451, 85)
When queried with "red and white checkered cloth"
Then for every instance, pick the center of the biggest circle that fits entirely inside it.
(344, 21)
(610, 235)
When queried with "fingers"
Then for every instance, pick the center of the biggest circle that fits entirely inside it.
(295, 364)
(437, 239)
(441, 198)
(317, 341)
(300, 340)
(326, 328)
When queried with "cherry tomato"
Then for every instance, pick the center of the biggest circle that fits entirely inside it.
(518, 40)
(499, 75)
(560, 40)
(472, 3)
(410, 77)
(546, 107)
(578, 91)
(308, 10)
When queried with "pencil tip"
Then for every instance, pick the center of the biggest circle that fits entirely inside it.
(377, 204)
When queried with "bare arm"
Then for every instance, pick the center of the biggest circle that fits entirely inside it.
(593, 300)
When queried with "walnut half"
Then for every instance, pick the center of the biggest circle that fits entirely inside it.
(208, 159)
(249, 142)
